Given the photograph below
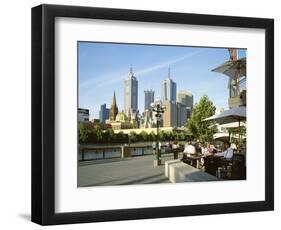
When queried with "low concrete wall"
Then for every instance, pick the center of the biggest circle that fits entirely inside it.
(181, 172)
(167, 164)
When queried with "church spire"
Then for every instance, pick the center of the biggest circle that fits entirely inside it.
(113, 100)
(113, 109)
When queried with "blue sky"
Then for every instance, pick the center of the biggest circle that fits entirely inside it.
(103, 67)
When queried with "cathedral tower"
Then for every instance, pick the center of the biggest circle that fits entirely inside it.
(113, 109)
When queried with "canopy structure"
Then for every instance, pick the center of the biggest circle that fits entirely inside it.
(236, 114)
(233, 68)
(225, 137)
(232, 125)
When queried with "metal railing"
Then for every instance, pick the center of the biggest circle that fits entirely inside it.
(107, 152)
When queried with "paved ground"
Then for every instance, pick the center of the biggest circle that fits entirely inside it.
(134, 170)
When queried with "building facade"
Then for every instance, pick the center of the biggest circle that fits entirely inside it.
(185, 98)
(148, 99)
(83, 115)
(131, 93)
(181, 115)
(170, 114)
(104, 113)
(168, 90)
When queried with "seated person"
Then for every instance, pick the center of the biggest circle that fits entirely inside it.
(189, 148)
(198, 147)
(204, 150)
(228, 153)
(211, 149)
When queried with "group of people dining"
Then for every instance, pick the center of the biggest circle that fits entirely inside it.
(209, 150)
(201, 149)
(210, 157)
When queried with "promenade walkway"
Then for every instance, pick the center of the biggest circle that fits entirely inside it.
(133, 170)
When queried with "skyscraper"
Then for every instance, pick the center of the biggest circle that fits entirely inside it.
(148, 98)
(83, 115)
(170, 114)
(168, 89)
(181, 114)
(131, 93)
(186, 98)
(104, 113)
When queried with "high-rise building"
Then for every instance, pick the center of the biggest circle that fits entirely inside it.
(131, 93)
(168, 89)
(104, 113)
(186, 98)
(148, 99)
(113, 109)
(83, 115)
(181, 115)
(170, 114)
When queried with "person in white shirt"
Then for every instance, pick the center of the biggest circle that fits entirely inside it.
(228, 153)
(189, 149)
(204, 150)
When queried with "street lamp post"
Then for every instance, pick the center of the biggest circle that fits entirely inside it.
(159, 109)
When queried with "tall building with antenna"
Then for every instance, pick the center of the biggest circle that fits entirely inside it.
(169, 99)
(169, 89)
(131, 93)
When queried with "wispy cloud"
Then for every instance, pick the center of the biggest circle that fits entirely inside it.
(111, 78)
(102, 80)
(167, 63)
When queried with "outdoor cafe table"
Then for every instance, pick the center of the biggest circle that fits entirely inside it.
(194, 157)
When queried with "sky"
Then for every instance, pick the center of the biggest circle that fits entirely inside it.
(103, 67)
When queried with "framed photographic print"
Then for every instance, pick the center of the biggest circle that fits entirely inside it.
(143, 114)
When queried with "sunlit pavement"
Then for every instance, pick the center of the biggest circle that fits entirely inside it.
(134, 170)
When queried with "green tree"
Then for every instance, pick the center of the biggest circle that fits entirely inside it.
(121, 137)
(202, 130)
(133, 136)
(97, 133)
(168, 136)
(161, 135)
(152, 136)
(111, 136)
(144, 136)
(83, 133)
(105, 136)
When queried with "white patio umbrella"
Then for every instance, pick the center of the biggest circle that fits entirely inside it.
(236, 114)
(232, 125)
(225, 136)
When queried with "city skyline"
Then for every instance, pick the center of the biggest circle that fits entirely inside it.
(186, 65)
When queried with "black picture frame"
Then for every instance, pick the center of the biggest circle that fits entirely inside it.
(43, 114)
